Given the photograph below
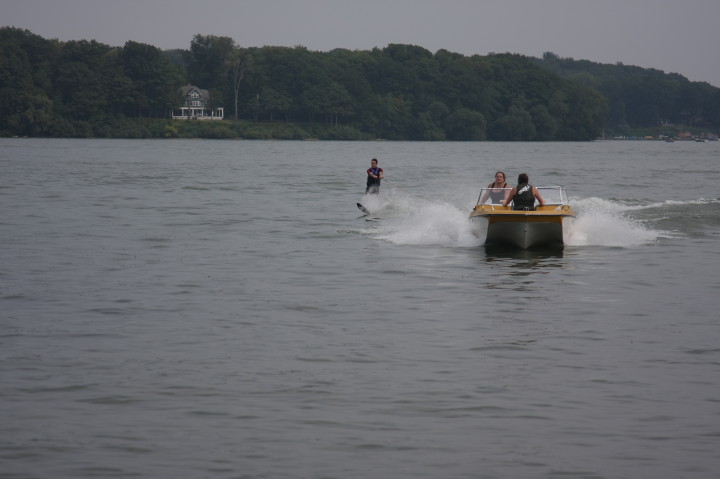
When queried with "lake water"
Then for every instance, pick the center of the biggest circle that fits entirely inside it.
(221, 309)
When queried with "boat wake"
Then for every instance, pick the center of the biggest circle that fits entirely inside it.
(602, 222)
(408, 220)
(431, 224)
(676, 218)
(629, 223)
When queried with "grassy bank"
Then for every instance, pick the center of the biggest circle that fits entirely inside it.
(225, 129)
(135, 128)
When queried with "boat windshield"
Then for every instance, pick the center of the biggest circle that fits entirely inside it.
(553, 195)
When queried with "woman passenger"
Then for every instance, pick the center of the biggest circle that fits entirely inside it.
(497, 195)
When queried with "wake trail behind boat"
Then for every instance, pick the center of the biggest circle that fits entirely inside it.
(601, 222)
(415, 221)
(409, 220)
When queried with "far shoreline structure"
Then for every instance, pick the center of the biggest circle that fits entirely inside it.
(196, 105)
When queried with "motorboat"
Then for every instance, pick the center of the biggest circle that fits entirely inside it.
(543, 226)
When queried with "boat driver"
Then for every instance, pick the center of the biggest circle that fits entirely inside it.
(524, 195)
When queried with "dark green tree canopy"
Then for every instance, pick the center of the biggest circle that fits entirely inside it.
(641, 97)
(400, 92)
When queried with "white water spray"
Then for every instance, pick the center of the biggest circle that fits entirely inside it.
(406, 220)
(602, 222)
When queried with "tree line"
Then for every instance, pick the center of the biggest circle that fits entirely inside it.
(399, 92)
(641, 97)
(404, 92)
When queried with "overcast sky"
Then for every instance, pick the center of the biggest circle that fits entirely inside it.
(669, 35)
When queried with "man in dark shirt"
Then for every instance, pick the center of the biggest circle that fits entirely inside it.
(524, 195)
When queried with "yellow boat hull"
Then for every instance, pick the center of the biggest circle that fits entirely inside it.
(503, 226)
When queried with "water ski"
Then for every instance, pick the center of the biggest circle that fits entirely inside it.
(363, 209)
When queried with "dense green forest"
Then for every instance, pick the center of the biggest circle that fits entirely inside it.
(642, 97)
(400, 92)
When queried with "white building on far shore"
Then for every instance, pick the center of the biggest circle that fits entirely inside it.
(196, 106)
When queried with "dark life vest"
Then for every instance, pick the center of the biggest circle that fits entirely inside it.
(524, 199)
(373, 181)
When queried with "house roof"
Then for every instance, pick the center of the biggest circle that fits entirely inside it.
(187, 89)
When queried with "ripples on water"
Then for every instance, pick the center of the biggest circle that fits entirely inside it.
(221, 309)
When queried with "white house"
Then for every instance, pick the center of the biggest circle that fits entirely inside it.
(196, 105)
